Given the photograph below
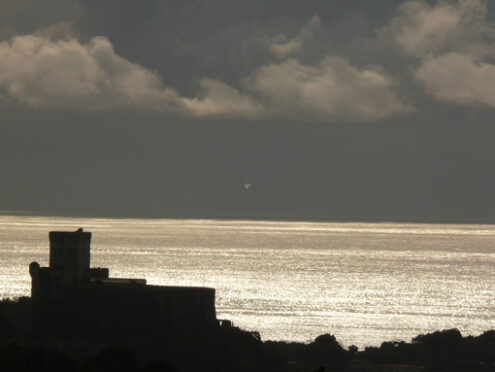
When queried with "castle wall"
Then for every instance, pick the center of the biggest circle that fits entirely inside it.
(137, 310)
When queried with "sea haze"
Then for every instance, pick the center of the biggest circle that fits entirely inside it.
(363, 282)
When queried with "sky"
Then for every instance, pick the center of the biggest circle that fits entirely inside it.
(324, 109)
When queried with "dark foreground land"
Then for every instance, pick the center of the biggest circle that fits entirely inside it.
(228, 349)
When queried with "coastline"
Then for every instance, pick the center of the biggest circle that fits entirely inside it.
(263, 218)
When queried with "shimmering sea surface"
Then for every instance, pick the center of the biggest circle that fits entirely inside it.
(363, 282)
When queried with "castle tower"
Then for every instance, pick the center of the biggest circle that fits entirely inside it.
(69, 252)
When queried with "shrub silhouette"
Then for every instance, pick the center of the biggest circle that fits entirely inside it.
(113, 359)
(159, 365)
(223, 349)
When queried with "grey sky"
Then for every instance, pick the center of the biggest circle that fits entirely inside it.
(334, 110)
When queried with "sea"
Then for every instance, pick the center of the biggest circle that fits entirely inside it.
(365, 283)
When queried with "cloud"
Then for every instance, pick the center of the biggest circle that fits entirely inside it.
(27, 16)
(221, 99)
(453, 44)
(332, 90)
(41, 73)
(458, 78)
(328, 88)
(282, 47)
(44, 74)
(420, 29)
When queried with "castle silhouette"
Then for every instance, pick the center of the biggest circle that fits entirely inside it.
(72, 299)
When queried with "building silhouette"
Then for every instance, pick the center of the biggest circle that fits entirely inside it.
(72, 299)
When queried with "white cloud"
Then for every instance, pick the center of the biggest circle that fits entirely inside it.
(41, 73)
(420, 29)
(333, 90)
(454, 44)
(329, 90)
(282, 47)
(458, 78)
(44, 74)
(221, 99)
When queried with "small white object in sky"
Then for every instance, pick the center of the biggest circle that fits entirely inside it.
(247, 186)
